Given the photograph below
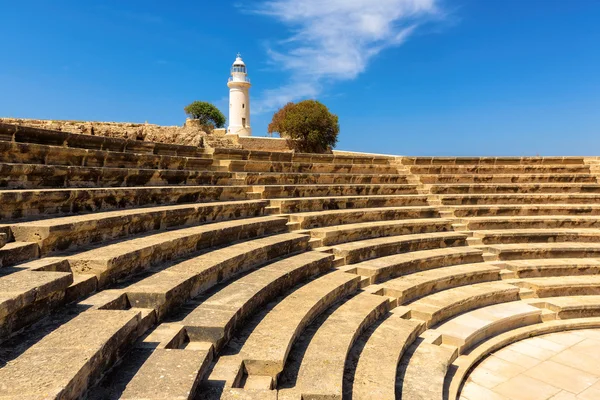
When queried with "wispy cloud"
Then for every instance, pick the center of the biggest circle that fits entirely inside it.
(334, 40)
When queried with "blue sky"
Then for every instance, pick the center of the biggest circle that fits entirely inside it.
(414, 77)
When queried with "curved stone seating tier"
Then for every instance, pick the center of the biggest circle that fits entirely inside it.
(309, 204)
(519, 251)
(519, 198)
(300, 167)
(219, 313)
(283, 191)
(67, 361)
(553, 267)
(331, 235)
(67, 232)
(112, 262)
(461, 169)
(532, 222)
(525, 210)
(27, 153)
(491, 160)
(507, 178)
(32, 203)
(354, 252)
(257, 155)
(265, 351)
(25, 134)
(351, 216)
(321, 372)
(178, 283)
(505, 236)
(31, 176)
(296, 178)
(385, 268)
(375, 376)
(519, 188)
(412, 286)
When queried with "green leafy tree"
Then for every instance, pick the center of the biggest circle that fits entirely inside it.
(206, 113)
(308, 124)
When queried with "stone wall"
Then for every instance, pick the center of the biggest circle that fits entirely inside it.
(189, 134)
(262, 143)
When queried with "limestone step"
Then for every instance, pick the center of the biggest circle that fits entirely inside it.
(521, 251)
(169, 373)
(293, 178)
(385, 268)
(331, 235)
(375, 375)
(521, 198)
(305, 167)
(507, 178)
(13, 253)
(412, 286)
(219, 314)
(27, 295)
(554, 267)
(31, 176)
(466, 330)
(560, 286)
(423, 370)
(41, 202)
(505, 236)
(29, 153)
(532, 222)
(115, 261)
(517, 188)
(309, 204)
(347, 158)
(178, 283)
(321, 373)
(492, 160)
(285, 191)
(445, 304)
(500, 169)
(266, 349)
(63, 233)
(25, 134)
(65, 363)
(525, 210)
(567, 307)
(351, 216)
(354, 252)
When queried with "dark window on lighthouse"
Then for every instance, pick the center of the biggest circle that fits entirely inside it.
(244, 122)
(243, 106)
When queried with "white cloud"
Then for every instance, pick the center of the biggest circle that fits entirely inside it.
(334, 40)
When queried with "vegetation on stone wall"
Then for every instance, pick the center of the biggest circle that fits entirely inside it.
(309, 125)
(206, 113)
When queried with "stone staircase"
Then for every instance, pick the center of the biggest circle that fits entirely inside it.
(140, 270)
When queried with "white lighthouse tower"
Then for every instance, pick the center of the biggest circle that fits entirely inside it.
(239, 99)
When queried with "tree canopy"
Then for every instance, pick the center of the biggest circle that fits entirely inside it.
(206, 113)
(309, 124)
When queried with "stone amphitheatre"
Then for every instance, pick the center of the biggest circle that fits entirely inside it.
(138, 270)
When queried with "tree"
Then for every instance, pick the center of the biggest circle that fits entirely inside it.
(276, 124)
(206, 113)
(309, 125)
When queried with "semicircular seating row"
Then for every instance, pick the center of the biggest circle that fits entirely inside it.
(138, 270)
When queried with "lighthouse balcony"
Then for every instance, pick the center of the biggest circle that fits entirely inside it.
(239, 79)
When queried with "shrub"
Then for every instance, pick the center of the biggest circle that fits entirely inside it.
(206, 113)
(309, 125)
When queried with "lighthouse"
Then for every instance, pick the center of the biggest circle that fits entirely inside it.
(239, 99)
